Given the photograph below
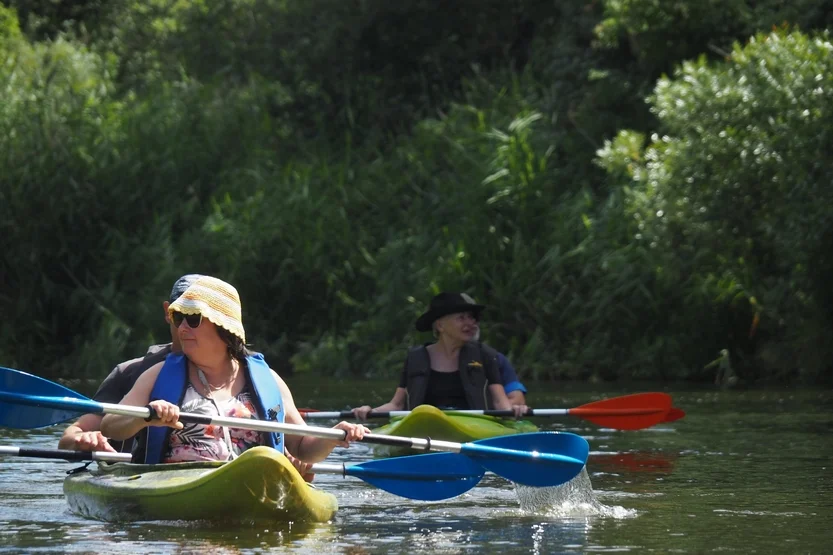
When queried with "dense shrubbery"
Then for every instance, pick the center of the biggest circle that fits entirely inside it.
(340, 162)
(739, 190)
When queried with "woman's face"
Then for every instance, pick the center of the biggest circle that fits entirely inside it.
(462, 326)
(197, 335)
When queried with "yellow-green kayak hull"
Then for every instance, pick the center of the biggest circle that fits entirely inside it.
(261, 484)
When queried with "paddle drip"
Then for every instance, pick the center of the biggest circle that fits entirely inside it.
(572, 498)
(575, 498)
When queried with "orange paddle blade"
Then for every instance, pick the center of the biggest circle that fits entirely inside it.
(628, 412)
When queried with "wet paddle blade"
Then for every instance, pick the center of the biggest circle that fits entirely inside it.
(429, 477)
(21, 406)
(554, 458)
(629, 412)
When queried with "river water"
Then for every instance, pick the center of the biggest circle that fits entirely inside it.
(743, 472)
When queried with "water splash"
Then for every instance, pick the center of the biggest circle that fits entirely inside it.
(573, 499)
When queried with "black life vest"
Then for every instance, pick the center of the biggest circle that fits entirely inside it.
(474, 360)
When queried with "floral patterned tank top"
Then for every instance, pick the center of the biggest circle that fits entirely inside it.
(201, 442)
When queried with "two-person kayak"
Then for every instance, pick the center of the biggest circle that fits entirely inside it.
(259, 484)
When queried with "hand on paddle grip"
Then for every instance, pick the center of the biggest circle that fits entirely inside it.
(163, 413)
(354, 432)
(92, 441)
(520, 411)
(361, 412)
(303, 468)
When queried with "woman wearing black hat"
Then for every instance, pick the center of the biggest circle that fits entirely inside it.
(456, 371)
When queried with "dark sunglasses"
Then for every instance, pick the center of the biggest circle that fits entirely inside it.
(194, 320)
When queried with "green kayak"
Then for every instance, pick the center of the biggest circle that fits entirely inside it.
(428, 421)
(261, 484)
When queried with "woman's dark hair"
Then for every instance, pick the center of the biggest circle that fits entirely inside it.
(236, 348)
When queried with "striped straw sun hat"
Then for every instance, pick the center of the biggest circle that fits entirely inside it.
(216, 300)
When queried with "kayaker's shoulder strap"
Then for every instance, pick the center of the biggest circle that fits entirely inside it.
(487, 354)
(418, 361)
(417, 370)
(122, 379)
(169, 386)
(267, 396)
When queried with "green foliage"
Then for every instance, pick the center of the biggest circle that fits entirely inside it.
(341, 162)
(46, 19)
(9, 26)
(660, 33)
(54, 105)
(85, 180)
(737, 189)
(370, 68)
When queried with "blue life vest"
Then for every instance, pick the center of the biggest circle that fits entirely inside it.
(171, 384)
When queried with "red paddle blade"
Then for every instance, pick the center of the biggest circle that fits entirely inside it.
(674, 414)
(628, 412)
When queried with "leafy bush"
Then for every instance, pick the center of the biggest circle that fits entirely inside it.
(736, 186)
(95, 192)
(342, 162)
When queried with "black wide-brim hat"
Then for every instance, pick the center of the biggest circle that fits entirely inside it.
(445, 304)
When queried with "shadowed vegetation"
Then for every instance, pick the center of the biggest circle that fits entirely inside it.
(636, 189)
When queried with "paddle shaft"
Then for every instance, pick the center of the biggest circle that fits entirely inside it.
(417, 444)
(627, 412)
(368, 470)
(323, 415)
(65, 454)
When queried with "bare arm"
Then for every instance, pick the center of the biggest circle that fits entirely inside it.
(499, 397)
(83, 435)
(122, 427)
(72, 431)
(517, 397)
(312, 449)
(503, 402)
(396, 403)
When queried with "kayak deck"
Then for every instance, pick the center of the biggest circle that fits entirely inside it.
(429, 421)
(261, 484)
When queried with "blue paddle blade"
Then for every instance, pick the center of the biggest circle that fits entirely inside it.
(539, 459)
(23, 404)
(425, 477)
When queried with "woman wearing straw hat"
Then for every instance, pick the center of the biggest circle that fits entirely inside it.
(84, 434)
(217, 375)
(456, 371)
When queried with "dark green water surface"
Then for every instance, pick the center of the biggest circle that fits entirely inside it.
(744, 472)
